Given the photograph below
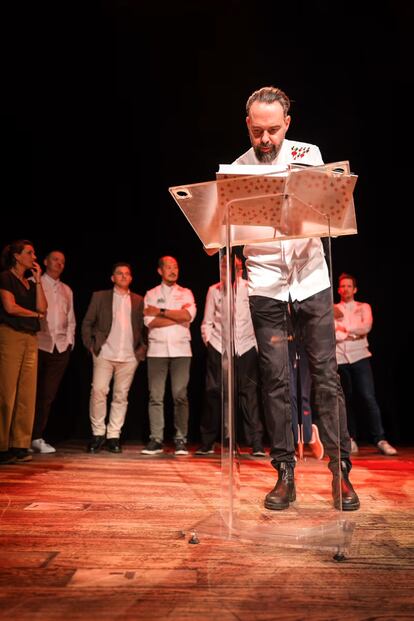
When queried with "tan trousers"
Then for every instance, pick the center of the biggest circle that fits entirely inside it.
(18, 371)
(103, 372)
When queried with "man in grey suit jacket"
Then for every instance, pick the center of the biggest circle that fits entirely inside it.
(113, 331)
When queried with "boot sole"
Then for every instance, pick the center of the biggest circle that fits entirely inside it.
(279, 507)
(353, 507)
(273, 507)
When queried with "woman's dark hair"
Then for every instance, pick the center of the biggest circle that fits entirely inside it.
(15, 247)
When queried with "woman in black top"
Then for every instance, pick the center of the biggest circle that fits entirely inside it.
(22, 304)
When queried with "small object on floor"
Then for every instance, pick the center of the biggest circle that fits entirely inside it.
(315, 443)
(180, 447)
(205, 450)
(153, 448)
(112, 445)
(354, 447)
(386, 448)
(40, 446)
(193, 538)
(96, 444)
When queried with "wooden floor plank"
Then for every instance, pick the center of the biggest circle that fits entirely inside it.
(106, 537)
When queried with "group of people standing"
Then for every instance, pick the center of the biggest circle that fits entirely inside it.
(37, 334)
(288, 291)
(120, 329)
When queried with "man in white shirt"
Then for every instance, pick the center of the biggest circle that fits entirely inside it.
(293, 275)
(246, 366)
(113, 332)
(353, 322)
(55, 340)
(168, 313)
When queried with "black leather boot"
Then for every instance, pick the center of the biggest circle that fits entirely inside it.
(350, 500)
(284, 491)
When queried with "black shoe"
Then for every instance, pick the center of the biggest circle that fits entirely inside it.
(96, 444)
(205, 449)
(180, 447)
(284, 491)
(153, 448)
(258, 450)
(21, 454)
(341, 482)
(7, 457)
(112, 445)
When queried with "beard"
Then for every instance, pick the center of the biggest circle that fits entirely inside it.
(266, 157)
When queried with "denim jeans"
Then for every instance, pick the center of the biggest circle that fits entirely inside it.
(357, 377)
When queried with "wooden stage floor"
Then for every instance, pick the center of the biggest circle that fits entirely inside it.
(106, 537)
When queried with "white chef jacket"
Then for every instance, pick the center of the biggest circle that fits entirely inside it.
(244, 338)
(175, 340)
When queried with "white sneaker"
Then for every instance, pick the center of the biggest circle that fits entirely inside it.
(40, 446)
(354, 447)
(386, 448)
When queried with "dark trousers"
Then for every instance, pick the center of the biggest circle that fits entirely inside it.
(300, 384)
(313, 318)
(357, 377)
(50, 371)
(246, 401)
(158, 370)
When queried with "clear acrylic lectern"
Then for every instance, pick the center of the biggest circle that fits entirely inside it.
(237, 209)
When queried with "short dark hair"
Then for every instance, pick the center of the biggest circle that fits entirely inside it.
(15, 247)
(121, 264)
(349, 276)
(269, 94)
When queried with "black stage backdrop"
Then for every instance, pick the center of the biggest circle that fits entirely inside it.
(105, 105)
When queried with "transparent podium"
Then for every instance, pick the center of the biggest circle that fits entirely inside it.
(236, 209)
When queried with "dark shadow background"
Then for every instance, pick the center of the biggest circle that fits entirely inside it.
(105, 105)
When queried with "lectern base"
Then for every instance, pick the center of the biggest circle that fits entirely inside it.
(330, 536)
